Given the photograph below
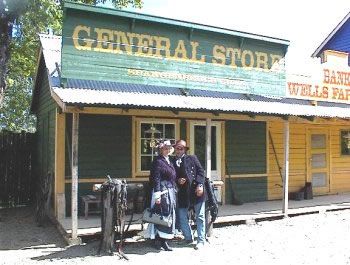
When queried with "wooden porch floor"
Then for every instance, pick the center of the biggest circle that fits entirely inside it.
(233, 214)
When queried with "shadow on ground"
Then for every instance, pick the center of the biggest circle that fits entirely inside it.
(18, 230)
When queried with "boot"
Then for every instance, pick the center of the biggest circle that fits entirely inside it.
(165, 245)
(157, 244)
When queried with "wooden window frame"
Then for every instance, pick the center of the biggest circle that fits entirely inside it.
(137, 140)
(342, 141)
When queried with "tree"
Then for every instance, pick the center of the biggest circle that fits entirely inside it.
(20, 23)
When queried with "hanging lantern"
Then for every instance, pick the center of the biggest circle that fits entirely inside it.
(153, 134)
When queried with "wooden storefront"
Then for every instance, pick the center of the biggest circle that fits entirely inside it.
(119, 74)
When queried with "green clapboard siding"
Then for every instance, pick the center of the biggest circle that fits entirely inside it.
(45, 110)
(104, 146)
(245, 147)
(112, 46)
(246, 189)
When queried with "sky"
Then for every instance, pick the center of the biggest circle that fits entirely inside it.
(305, 23)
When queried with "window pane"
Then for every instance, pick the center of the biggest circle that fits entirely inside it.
(146, 162)
(318, 141)
(319, 179)
(345, 150)
(169, 131)
(149, 131)
(145, 146)
(144, 127)
(318, 161)
(199, 148)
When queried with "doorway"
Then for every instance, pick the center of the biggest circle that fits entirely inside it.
(197, 146)
(318, 160)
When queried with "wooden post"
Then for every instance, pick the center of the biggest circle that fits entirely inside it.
(286, 168)
(208, 148)
(60, 136)
(75, 137)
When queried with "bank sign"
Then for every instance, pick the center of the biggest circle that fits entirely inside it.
(102, 44)
(329, 82)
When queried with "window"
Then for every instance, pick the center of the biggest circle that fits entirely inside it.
(149, 132)
(345, 142)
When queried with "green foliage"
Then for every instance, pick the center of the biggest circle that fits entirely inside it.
(30, 18)
(14, 112)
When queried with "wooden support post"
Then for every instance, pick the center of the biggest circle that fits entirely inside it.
(286, 168)
(208, 148)
(60, 136)
(75, 137)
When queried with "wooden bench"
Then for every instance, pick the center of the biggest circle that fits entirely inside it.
(91, 199)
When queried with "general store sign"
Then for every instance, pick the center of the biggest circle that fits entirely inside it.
(130, 48)
(330, 82)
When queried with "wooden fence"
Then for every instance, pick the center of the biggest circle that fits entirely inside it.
(17, 183)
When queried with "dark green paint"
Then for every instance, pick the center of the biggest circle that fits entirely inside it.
(183, 129)
(114, 66)
(45, 110)
(246, 189)
(245, 147)
(104, 146)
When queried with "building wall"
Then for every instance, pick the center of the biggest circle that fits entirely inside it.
(339, 164)
(341, 40)
(297, 156)
(45, 111)
(340, 169)
(104, 148)
(245, 161)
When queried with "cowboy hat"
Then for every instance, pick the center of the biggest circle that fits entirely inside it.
(181, 143)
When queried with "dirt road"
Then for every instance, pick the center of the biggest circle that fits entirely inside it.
(307, 239)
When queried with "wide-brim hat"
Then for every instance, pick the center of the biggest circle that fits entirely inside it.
(181, 143)
(165, 143)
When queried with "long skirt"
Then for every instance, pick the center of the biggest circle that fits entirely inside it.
(168, 205)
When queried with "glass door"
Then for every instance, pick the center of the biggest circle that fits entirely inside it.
(197, 147)
(318, 161)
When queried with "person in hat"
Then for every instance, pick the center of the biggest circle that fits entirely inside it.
(163, 199)
(190, 181)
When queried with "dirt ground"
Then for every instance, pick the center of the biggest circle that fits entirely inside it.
(308, 239)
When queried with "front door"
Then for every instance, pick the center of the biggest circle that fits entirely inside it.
(197, 147)
(318, 160)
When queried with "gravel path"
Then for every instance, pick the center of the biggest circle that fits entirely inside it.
(307, 239)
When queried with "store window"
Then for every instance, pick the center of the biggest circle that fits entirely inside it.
(345, 142)
(150, 132)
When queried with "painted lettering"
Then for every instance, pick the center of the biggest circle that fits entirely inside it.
(293, 88)
(115, 41)
(180, 51)
(261, 60)
(326, 76)
(104, 40)
(162, 46)
(194, 52)
(78, 39)
(219, 55)
(234, 54)
(122, 41)
(247, 59)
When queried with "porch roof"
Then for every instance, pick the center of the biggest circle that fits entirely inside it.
(110, 94)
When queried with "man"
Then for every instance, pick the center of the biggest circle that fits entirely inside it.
(190, 181)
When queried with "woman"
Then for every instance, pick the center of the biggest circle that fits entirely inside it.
(162, 184)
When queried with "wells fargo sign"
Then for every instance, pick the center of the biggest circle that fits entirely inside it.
(332, 83)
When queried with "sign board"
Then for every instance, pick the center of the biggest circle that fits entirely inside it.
(329, 82)
(111, 45)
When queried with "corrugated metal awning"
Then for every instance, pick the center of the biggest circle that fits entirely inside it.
(116, 98)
